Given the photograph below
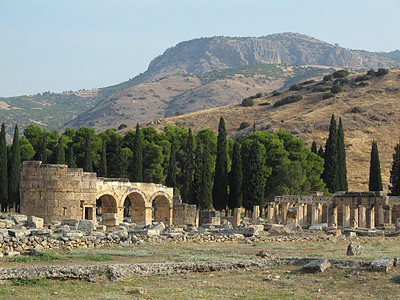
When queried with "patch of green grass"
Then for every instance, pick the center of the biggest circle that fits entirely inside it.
(30, 282)
(45, 256)
(97, 257)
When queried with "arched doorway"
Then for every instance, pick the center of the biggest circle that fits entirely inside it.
(137, 208)
(106, 204)
(162, 211)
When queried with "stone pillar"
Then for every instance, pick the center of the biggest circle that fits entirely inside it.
(270, 212)
(276, 212)
(397, 224)
(387, 214)
(300, 212)
(305, 214)
(354, 216)
(370, 216)
(315, 214)
(285, 207)
(332, 215)
(148, 215)
(236, 217)
(346, 216)
(362, 222)
(256, 214)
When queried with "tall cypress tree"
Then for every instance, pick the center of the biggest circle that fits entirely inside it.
(330, 174)
(171, 172)
(220, 188)
(342, 169)
(375, 179)
(314, 147)
(119, 168)
(395, 173)
(3, 169)
(60, 157)
(15, 173)
(103, 161)
(235, 179)
(88, 167)
(202, 189)
(321, 152)
(71, 159)
(187, 188)
(253, 177)
(136, 172)
(42, 155)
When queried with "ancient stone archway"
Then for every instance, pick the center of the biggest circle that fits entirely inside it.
(162, 208)
(108, 204)
(139, 212)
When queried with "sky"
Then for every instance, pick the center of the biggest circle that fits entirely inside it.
(61, 45)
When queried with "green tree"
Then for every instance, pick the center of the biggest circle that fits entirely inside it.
(220, 188)
(321, 152)
(187, 187)
(102, 172)
(342, 169)
(3, 169)
(26, 149)
(14, 180)
(119, 169)
(202, 189)
(88, 166)
(375, 179)
(171, 172)
(136, 171)
(253, 176)
(330, 174)
(395, 173)
(42, 153)
(314, 147)
(71, 159)
(60, 156)
(235, 179)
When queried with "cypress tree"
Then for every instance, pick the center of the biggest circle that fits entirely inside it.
(3, 169)
(395, 173)
(15, 173)
(71, 159)
(88, 167)
(103, 161)
(136, 172)
(330, 174)
(43, 148)
(220, 188)
(187, 188)
(314, 147)
(202, 189)
(119, 168)
(321, 152)
(235, 179)
(342, 169)
(253, 177)
(171, 171)
(60, 157)
(375, 179)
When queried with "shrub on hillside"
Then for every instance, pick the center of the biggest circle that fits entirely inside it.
(307, 82)
(363, 83)
(336, 89)
(381, 72)
(295, 87)
(244, 125)
(328, 95)
(264, 104)
(361, 78)
(371, 72)
(276, 93)
(341, 81)
(341, 74)
(327, 78)
(356, 110)
(247, 102)
(320, 88)
(289, 99)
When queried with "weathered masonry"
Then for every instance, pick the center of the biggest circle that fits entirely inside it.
(343, 209)
(56, 192)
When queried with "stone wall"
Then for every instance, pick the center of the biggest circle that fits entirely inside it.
(55, 192)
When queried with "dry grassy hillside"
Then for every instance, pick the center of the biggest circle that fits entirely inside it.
(379, 101)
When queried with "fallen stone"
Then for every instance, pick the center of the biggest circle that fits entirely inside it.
(86, 226)
(318, 226)
(34, 252)
(264, 254)
(20, 218)
(137, 291)
(382, 264)
(316, 266)
(72, 233)
(159, 227)
(41, 232)
(18, 233)
(13, 254)
(35, 222)
(354, 249)
(70, 222)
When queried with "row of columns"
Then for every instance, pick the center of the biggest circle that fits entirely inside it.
(355, 216)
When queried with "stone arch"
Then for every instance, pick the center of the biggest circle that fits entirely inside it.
(139, 212)
(162, 207)
(109, 204)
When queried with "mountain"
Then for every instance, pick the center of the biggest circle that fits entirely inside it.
(369, 106)
(190, 60)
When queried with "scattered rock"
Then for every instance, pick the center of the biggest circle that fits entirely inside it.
(382, 264)
(354, 249)
(316, 266)
(264, 254)
(35, 251)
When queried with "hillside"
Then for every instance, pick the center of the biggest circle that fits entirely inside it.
(378, 99)
(181, 94)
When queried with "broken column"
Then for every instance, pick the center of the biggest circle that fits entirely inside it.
(256, 215)
(332, 215)
(370, 216)
(362, 222)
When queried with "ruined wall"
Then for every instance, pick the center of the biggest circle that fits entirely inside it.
(55, 192)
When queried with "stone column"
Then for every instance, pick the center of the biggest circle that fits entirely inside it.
(236, 217)
(256, 214)
(346, 215)
(387, 214)
(315, 213)
(332, 215)
(370, 216)
(300, 212)
(354, 216)
(305, 214)
(276, 212)
(362, 222)
(378, 215)
(397, 224)
(285, 207)
(270, 212)
(148, 215)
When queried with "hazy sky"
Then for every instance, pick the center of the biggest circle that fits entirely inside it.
(58, 45)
